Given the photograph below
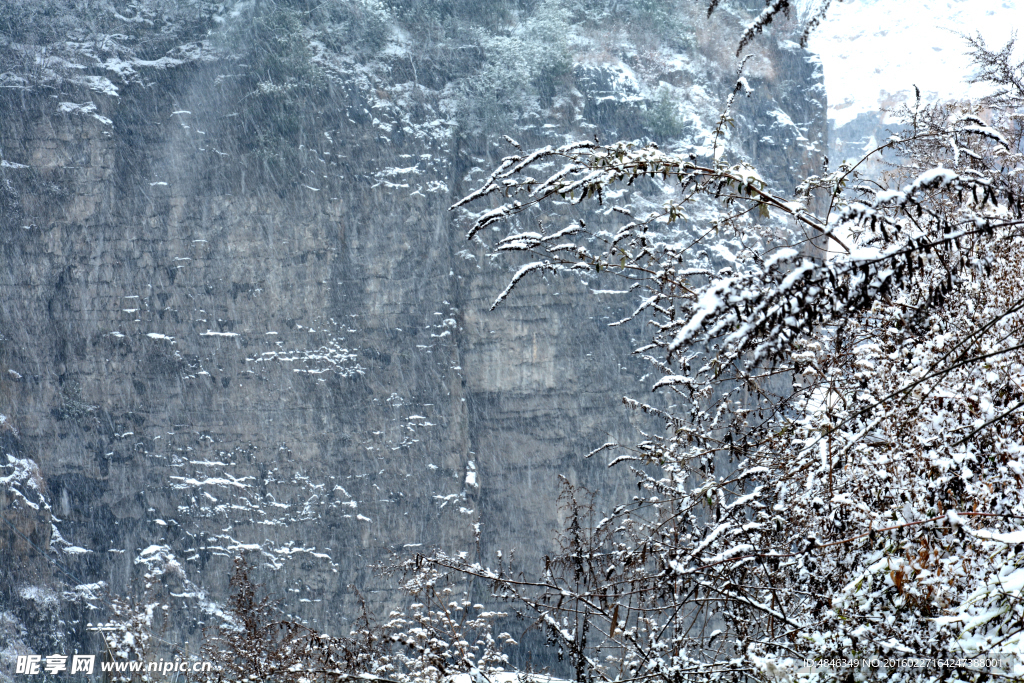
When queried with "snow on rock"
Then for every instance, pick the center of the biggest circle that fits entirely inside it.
(88, 109)
(39, 594)
(330, 357)
(76, 550)
(159, 560)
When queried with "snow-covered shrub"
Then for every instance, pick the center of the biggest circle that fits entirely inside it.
(365, 25)
(270, 40)
(520, 69)
(662, 117)
(444, 634)
(840, 490)
(440, 636)
(670, 21)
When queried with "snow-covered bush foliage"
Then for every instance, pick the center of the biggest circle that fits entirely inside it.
(442, 635)
(255, 641)
(129, 634)
(445, 634)
(840, 475)
(662, 115)
(487, 65)
(363, 24)
(519, 67)
(270, 39)
(135, 628)
(666, 20)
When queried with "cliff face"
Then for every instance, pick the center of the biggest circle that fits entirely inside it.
(236, 313)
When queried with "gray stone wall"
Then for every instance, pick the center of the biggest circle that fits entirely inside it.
(217, 334)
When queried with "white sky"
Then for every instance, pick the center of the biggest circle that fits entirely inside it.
(875, 51)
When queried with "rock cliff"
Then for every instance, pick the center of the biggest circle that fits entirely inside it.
(236, 313)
